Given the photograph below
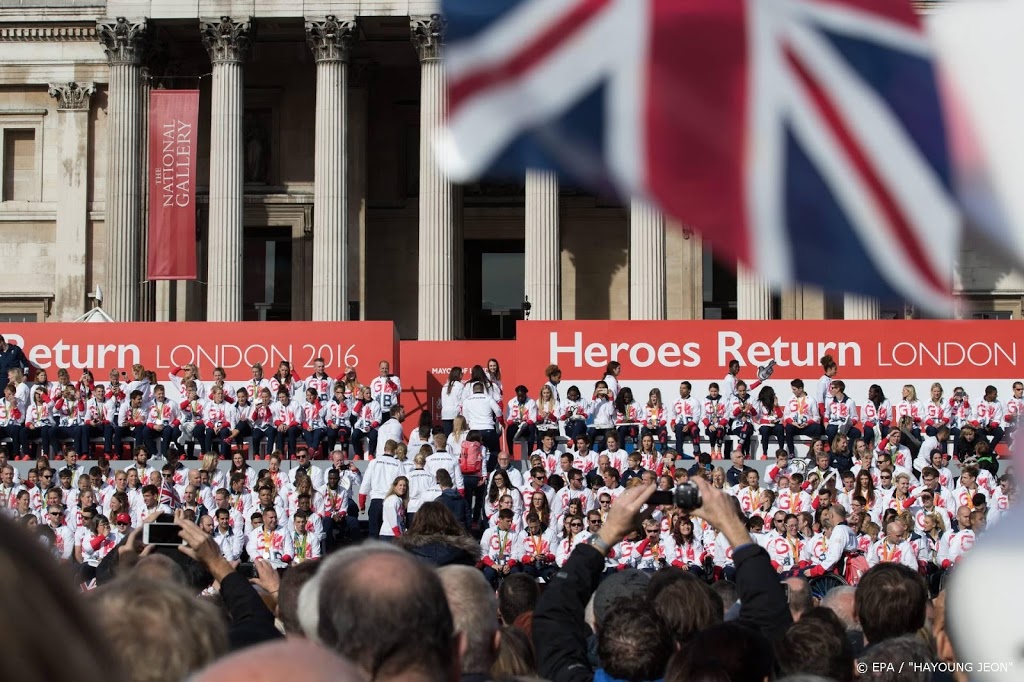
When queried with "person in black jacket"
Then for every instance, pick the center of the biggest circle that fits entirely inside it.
(455, 502)
(559, 632)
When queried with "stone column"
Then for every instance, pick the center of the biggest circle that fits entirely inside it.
(438, 255)
(122, 40)
(226, 40)
(330, 41)
(754, 296)
(73, 188)
(646, 262)
(543, 256)
(860, 307)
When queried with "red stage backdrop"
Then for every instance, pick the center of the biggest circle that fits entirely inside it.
(426, 365)
(235, 346)
(890, 353)
(173, 143)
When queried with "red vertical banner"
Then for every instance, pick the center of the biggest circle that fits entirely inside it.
(173, 144)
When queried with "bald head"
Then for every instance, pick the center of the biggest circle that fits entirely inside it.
(385, 611)
(963, 517)
(281, 660)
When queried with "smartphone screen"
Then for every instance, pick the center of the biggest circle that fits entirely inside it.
(161, 534)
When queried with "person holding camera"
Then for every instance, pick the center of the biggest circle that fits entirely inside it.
(559, 633)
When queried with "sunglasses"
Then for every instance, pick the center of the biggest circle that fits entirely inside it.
(595, 521)
(47, 477)
(54, 513)
(575, 525)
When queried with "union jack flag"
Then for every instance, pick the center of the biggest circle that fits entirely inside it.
(169, 494)
(802, 138)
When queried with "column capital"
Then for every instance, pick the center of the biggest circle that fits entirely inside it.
(72, 96)
(330, 39)
(226, 40)
(122, 39)
(428, 35)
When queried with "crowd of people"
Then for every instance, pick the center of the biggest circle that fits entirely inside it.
(874, 492)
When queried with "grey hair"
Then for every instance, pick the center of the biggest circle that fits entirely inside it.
(475, 614)
(831, 601)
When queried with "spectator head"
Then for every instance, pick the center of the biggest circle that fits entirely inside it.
(160, 568)
(633, 641)
(816, 645)
(434, 518)
(279, 660)
(627, 584)
(292, 582)
(162, 631)
(730, 648)
(891, 601)
(385, 611)
(898, 659)
(726, 591)
(32, 583)
(475, 614)
(840, 601)
(515, 655)
(686, 603)
(517, 594)
(799, 597)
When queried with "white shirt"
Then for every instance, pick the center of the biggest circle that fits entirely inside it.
(480, 411)
(451, 402)
(380, 474)
(389, 430)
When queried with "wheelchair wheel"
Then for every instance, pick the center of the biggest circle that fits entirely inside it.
(824, 584)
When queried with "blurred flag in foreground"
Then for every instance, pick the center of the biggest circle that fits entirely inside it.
(980, 54)
(803, 138)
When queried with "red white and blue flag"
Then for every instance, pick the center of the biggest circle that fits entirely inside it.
(803, 138)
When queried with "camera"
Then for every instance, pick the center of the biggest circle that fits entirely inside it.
(687, 497)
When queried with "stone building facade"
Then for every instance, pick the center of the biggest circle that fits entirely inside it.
(317, 196)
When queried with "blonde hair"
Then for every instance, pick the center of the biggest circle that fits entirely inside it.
(936, 517)
(209, 462)
(459, 426)
(913, 391)
(548, 404)
(401, 452)
(420, 459)
(937, 385)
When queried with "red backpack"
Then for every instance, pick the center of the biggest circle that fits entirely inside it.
(471, 458)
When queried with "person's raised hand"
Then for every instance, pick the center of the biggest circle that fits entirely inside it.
(129, 553)
(624, 515)
(267, 577)
(198, 545)
(719, 509)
